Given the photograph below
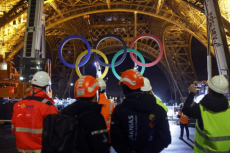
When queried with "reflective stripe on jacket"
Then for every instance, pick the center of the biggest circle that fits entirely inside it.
(215, 138)
(27, 121)
(183, 119)
(29, 151)
(159, 102)
(107, 110)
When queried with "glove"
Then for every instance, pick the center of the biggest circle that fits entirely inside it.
(205, 82)
(192, 88)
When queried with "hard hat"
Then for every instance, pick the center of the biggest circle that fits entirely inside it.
(86, 86)
(147, 85)
(219, 84)
(101, 83)
(132, 78)
(181, 104)
(41, 79)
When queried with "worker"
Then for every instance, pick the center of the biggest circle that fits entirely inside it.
(108, 105)
(212, 114)
(28, 115)
(85, 91)
(183, 119)
(148, 89)
(36, 91)
(138, 124)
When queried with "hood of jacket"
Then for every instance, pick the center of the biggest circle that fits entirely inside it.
(37, 92)
(83, 106)
(140, 102)
(215, 104)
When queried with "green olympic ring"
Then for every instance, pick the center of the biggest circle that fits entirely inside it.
(119, 53)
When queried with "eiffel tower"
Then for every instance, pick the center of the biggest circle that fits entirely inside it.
(174, 22)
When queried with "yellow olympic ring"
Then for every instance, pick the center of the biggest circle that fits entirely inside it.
(95, 51)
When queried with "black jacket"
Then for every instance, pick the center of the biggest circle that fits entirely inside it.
(139, 125)
(95, 135)
(209, 102)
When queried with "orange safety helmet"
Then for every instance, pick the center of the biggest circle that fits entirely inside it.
(86, 86)
(132, 78)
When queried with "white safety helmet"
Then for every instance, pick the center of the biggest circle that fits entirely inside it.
(41, 79)
(147, 85)
(219, 84)
(101, 84)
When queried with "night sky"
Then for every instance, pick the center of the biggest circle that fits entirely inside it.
(158, 80)
(199, 56)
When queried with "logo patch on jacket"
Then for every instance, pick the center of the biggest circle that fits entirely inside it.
(151, 117)
(151, 125)
(29, 107)
(132, 127)
(22, 106)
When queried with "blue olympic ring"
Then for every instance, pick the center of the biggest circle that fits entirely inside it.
(70, 38)
(111, 36)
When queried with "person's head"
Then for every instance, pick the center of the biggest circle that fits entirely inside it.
(102, 85)
(218, 86)
(131, 81)
(86, 88)
(41, 80)
(147, 88)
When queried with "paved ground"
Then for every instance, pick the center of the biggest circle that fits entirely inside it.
(7, 141)
(177, 145)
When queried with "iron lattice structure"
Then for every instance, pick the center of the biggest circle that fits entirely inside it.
(175, 22)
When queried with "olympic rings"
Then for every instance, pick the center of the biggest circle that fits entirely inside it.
(95, 51)
(111, 36)
(149, 36)
(64, 42)
(118, 53)
(113, 63)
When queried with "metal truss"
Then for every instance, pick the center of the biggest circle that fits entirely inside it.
(224, 5)
(70, 52)
(61, 74)
(177, 45)
(165, 14)
(197, 4)
(15, 12)
(188, 18)
(174, 20)
(12, 27)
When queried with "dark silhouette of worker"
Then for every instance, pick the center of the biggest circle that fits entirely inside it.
(139, 124)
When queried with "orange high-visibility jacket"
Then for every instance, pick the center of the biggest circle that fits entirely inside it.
(107, 110)
(38, 93)
(27, 121)
(183, 119)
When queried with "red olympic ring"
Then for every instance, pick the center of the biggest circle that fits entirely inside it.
(158, 42)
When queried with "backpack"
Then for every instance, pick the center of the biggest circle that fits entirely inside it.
(61, 132)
